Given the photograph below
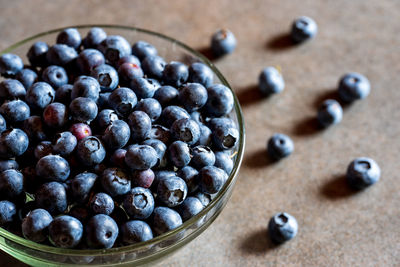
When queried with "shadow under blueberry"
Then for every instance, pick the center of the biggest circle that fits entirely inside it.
(281, 42)
(250, 95)
(257, 242)
(308, 126)
(330, 94)
(207, 52)
(259, 159)
(337, 188)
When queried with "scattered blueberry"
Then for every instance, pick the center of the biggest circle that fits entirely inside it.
(282, 227)
(223, 42)
(363, 172)
(279, 146)
(329, 113)
(353, 86)
(270, 81)
(303, 28)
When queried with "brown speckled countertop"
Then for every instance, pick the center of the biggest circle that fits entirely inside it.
(337, 226)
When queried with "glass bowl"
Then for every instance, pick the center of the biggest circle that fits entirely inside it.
(157, 248)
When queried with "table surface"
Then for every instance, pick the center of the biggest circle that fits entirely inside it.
(337, 227)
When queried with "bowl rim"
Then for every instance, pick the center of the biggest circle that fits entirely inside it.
(129, 248)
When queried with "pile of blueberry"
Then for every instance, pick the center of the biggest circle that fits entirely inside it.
(105, 144)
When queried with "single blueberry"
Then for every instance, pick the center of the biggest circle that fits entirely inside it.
(201, 73)
(220, 100)
(10, 64)
(143, 178)
(114, 47)
(27, 77)
(35, 225)
(61, 54)
(8, 212)
(64, 143)
(63, 93)
(223, 42)
(153, 66)
(101, 232)
(166, 95)
(80, 130)
(204, 198)
(13, 143)
(205, 135)
(94, 37)
(11, 184)
(179, 154)
(105, 118)
(142, 49)
(282, 227)
(175, 73)
(86, 86)
(140, 124)
(171, 114)
(37, 54)
(165, 219)
(135, 231)
(128, 59)
(12, 89)
(128, 72)
(88, 59)
(353, 86)
(123, 100)
(212, 179)
(70, 37)
(65, 231)
(160, 148)
(160, 175)
(141, 157)
(15, 111)
(90, 151)
(39, 95)
(303, 28)
(115, 181)
(225, 136)
(53, 168)
(279, 146)
(186, 130)
(193, 96)
(363, 172)
(83, 109)
(56, 76)
(107, 77)
(101, 203)
(51, 197)
(270, 81)
(117, 134)
(202, 156)
(55, 115)
(189, 208)
(191, 177)
(118, 158)
(172, 191)
(139, 203)
(143, 88)
(81, 186)
(223, 161)
(43, 148)
(151, 107)
(330, 112)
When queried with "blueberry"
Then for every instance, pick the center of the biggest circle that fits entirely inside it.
(128, 72)
(101, 232)
(193, 96)
(363, 172)
(143, 178)
(128, 59)
(165, 219)
(141, 157)
(303, 28)
(140, 124)
(223, 42)
(225, 136)
(270, 81)
(90, 151)
(8, 165)
(53, 168)
(15, 111)
(81, 186)
(175, 73)
(44, 148)
(39, 95)
(64, 143)
(123, 100)
(37, 54)
(63, 93)
(223, 161)
(94, 37)
(220, 100)
(11, 184)
(107, 77)
(201, 73)
(12, 89)
(55, 115)
(215, 123)
(191, 177)
(353, 86)
(166, 95)
(186, 130)
(88, 59)
(151, 107)
(205, 135)
(13, 143)
(139, 203)
(10, 64)
(179, 154)
(117, 134)
(114, 47)
(80, 130)
(27, 77)
(105, 118)
(83, 109)
(135, 231)
(171, 114)
(282, 227)
(172, 191)
(86, 86)
(204, 198)
(118, 158)
(160, 148)
(329, 113)
(3, 125)
(102, 203)
(189, 208)
(143, 88)
(35, 225)
(202, 156)
(61, 54)
(161, 133)
(160, 175)
(70, 37)
(115, 181)
(212, 179)
(8, 212)
(56, 76)
(153, 66)
(51, 197)
(142, 49)
(34, 128)
(65, 231)
(279, 146)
